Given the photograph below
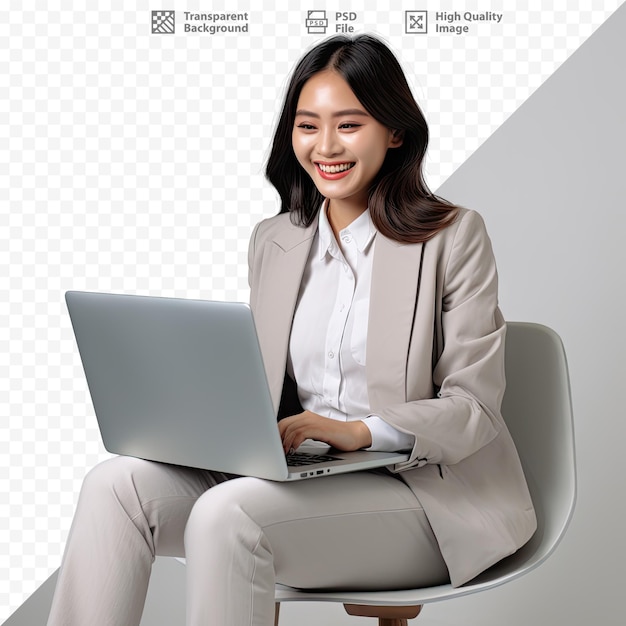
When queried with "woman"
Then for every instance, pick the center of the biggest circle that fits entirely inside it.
(376, 308)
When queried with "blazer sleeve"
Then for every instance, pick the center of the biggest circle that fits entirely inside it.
(252, 254)
(468, 374)
(255, 259)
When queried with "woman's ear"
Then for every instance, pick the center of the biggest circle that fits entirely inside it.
(396, 139)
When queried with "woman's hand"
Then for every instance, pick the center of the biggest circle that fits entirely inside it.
(346, 436)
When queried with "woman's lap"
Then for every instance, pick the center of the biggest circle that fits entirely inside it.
(361, 530)
(365, 529)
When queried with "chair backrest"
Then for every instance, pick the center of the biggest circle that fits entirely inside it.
(537, 409)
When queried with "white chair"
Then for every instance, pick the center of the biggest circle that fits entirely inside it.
(538, 412)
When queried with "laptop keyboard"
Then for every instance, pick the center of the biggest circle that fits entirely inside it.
(306, 458)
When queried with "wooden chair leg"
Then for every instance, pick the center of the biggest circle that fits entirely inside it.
(276, 615)
(387, 615)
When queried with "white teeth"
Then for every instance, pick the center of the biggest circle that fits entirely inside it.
(335, 169)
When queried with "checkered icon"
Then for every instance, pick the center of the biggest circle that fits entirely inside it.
(163, 22)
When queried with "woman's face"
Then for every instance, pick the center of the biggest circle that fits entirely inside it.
(338, 143)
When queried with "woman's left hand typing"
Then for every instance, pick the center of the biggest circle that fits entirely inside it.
(346, 436)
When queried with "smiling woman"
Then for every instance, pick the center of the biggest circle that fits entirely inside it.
(376, 308)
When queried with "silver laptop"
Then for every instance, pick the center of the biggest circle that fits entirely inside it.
(182, 381)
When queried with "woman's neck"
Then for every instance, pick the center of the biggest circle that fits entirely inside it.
(342, 214)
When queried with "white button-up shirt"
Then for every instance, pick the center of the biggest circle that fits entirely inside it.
(327, 348)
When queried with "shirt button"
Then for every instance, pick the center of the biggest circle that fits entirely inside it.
(331, 355)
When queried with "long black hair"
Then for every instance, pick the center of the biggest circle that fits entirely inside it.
(400, 203)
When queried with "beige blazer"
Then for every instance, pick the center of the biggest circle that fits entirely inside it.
(435, 369)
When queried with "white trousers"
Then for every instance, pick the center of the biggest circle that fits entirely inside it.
(364, 530)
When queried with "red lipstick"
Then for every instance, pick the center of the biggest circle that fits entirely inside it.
(328, 175)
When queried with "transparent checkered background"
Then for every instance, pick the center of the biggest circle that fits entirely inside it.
(132, 162)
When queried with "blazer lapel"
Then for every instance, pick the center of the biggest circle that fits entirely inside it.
(285, 257)
(393, 298)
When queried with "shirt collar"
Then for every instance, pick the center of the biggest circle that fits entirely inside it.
(361, 229)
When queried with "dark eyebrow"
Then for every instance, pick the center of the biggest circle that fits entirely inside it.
(337, 114)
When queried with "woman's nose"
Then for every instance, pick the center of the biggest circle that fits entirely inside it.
(328, 144)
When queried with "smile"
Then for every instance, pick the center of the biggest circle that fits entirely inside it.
(335, 171)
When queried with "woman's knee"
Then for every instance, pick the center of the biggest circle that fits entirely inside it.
(112, 471)
(220, 516)
(118, 480)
